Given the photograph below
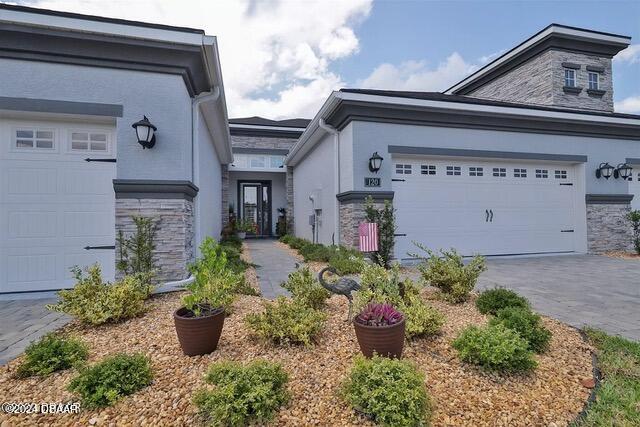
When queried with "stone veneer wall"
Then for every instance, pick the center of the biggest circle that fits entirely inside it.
(352, 213)
(540, 81)
(608, 229)
(529, 83)
(174, 232)
(289, 190)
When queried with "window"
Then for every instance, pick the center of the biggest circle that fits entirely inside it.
(402, 169)
(519, 173)
(594, 80)
(500, 172)
(475, 171)
(560, 174)
(453, 170)
(34, 139)
(428, 169)
(570, 77)
(542, 173)
(89, 141)
(258, 161)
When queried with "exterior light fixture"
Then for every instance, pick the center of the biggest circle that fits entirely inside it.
(145, 132)
(605, 170)
(375, 162)
(623, 171)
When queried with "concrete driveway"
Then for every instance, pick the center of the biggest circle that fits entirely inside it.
(580, 290)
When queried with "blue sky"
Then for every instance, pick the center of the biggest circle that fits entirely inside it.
(397, 31)
(282, 58)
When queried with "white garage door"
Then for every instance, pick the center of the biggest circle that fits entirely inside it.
(53, 203)
(491, 208)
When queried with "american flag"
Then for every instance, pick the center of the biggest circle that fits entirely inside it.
(368, 232)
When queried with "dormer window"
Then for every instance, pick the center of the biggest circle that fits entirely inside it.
(569, 77)
(594, 80)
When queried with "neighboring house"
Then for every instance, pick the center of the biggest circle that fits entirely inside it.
(257, 187)
(502, 163)
(71, 169)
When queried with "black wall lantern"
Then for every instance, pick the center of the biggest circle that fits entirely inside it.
(145, 131)
(623, 171)
(375, 162)
(605, 170)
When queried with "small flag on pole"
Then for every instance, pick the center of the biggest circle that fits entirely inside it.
(368, 232)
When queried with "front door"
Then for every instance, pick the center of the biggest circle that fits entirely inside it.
(255, 205)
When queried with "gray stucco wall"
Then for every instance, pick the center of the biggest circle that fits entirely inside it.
(369, 137)
(209, 181)
(315, 174)
(162, 97)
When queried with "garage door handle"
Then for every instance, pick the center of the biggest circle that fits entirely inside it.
(491, 212)
(486, 218)
(88, 248)
(89, 159)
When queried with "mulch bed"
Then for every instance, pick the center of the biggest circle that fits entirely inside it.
(621, 254)
(461, 394)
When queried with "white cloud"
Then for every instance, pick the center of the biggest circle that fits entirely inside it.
(630, 54)
(281, 46)
(418, 76)
(628, 105)
(488, 58)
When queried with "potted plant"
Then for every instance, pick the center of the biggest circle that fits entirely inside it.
(244, 226)
(200, 320)
(380, 329)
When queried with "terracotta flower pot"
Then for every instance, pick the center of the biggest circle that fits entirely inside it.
(198, 335)
(386, 341)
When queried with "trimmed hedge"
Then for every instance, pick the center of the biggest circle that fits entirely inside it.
(527, 324)
(52, 353)
(493, 300)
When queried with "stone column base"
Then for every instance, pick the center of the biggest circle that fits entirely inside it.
(170, 204)
(607, 226)
(352, 213)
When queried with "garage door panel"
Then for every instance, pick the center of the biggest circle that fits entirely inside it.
(515, 212)
(52, 205)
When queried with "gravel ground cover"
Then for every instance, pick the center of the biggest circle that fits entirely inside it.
(250, 274)
(621, 254)
(461, 394)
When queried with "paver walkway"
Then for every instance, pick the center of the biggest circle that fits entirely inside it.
(580, 290)
(273, 266)
(23, 321)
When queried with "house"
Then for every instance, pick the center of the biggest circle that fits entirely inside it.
(524, 156)
(71, 166)
(257, 187)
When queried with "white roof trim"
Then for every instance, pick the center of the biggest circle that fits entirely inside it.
(553, 29)
(99, 27)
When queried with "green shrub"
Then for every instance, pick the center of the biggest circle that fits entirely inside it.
(448, 273)
(286, 239)
(306, 289)
(391, 391)
(96, 302)
(106, 382)
(385, 286)
(297, 243)
(493, 300)
(634, 218)
(494, 347)
(386, 220)
(347, 261)
(317, 252)
(422, 320)
(51, 353)
(242, 394)
(135, 252)
(527, 324)
(215, 284)
(287, 322)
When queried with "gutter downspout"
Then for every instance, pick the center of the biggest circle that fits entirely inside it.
(336, 161)
(213, 95)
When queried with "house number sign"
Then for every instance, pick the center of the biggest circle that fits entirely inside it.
(372, 182)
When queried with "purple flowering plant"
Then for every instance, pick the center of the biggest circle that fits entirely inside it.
(376, 314)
